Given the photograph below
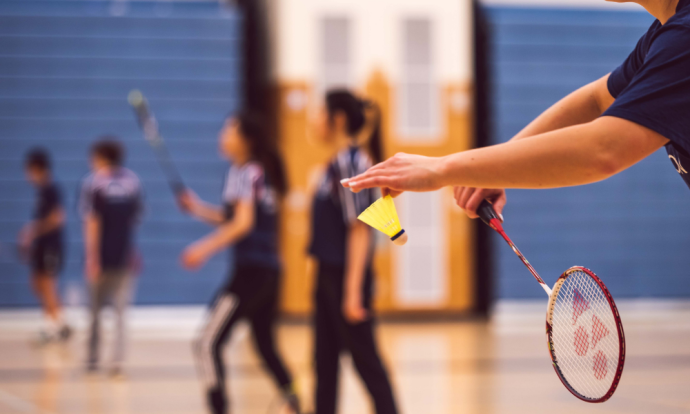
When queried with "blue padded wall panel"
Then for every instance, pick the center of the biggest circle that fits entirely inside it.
(66, 68)
(632, 229)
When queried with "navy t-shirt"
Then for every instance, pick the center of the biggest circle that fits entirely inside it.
(652, 86)
(116, 199)
(336, 208)
(248, 183)
(49, 199)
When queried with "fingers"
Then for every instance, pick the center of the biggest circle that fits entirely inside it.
(465, 195)
(374, 181)
(473, 203)
(499, 203)
(385, 191)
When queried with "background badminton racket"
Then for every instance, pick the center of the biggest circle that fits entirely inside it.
(149, 126)
(583, 328)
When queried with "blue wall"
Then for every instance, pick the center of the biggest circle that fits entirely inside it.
(633, 229)
(65, 70)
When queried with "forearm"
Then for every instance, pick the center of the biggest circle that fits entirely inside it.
(222, 237)
(570, 156)
(358, 243)
(208, 213)
(50, 223)
(580, 107)
(92, 235)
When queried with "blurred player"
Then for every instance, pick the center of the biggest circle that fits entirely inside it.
(42, 239)
(248, 220)
(110, 204)
(594, 133)
(343, 248)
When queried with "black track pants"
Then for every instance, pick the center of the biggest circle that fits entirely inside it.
(252, 294)
(334, 335)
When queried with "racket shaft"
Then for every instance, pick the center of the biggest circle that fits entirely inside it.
(499, 229)
(488, 215)
(169, 170)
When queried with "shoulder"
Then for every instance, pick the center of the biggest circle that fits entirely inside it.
(128, 176)
(253, 170)
(87, 182)
(674, 35)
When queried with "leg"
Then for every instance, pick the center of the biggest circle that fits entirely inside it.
(97, 298)
(50, 297)
(262, 321)
(362, 345)
(208, 346)
(122, 293)
(326, 353)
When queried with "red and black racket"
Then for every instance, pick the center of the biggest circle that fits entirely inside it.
(583, 329)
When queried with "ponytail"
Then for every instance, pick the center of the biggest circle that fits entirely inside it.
(263, 149)
(363, 120)
(373, 128)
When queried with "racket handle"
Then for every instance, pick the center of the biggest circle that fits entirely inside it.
(486, 212)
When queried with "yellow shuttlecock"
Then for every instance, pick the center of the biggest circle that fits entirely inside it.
(382, 216)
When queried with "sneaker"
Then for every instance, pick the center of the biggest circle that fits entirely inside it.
(43, 338)
(292, 401)
(65, 333)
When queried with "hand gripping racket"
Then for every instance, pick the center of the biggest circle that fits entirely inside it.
(583, 329)
(149, 126)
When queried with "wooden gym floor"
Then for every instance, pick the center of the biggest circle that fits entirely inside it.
(437, 368)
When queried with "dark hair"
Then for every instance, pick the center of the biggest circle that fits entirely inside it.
(354, 110)
(263, 148)
(110, 149)
(38, 158)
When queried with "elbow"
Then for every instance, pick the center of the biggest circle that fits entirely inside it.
(607, 162)
(606, 166)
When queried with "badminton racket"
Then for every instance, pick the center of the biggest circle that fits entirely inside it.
(149, 126)
(583, 328)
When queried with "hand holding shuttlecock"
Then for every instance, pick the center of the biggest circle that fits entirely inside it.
(382, 216)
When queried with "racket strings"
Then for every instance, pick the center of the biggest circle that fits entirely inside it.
(584, 335)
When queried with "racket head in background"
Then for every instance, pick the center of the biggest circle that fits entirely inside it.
(585, 335)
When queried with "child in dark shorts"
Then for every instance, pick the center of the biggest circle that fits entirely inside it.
(41, 240)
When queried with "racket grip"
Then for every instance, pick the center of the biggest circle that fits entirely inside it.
(486, 212)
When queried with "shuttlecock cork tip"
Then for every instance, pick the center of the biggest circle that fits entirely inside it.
(400, 240)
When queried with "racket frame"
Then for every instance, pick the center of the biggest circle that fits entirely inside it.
(488, 215)
(619, 326)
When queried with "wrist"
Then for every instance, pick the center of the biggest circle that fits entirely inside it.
(443, 170)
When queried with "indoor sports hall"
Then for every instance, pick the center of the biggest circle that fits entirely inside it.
(177, 235)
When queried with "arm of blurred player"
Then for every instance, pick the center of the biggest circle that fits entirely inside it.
(575, 155)
(191, 204)
(195, 255)
(92, 243)
(358, 241)
(582, 106)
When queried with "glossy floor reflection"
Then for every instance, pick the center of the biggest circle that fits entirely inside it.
(463, 367)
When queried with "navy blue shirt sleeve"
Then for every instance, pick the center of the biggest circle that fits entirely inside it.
(655, 92)
(623, 74)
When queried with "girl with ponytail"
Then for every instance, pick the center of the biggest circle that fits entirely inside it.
(248, 220)
(343, 248)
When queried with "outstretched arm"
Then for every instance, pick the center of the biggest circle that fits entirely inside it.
(191, 204)
(580, 107)
(575, 155)
(226, 234)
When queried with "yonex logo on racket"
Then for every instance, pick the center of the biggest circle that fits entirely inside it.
(581, 337)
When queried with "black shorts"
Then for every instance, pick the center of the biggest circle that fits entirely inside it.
(46, 259)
